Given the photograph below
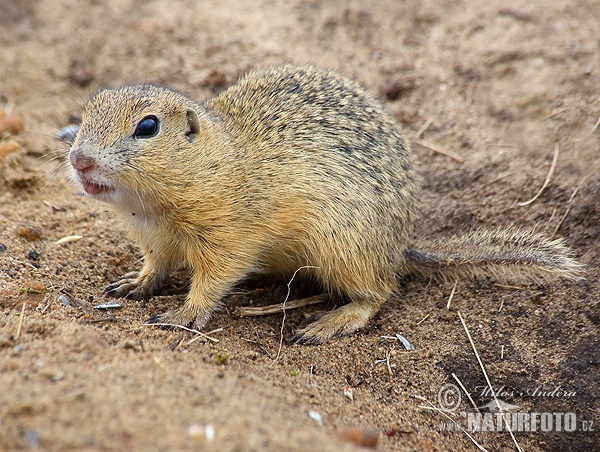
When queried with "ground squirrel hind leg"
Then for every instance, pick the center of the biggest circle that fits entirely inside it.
(344, 320)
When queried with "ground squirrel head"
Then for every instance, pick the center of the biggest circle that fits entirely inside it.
(129, 138)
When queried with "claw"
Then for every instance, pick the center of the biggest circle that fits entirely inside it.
(301, 338)
(109, 293)
(166, 323)
(152, 320)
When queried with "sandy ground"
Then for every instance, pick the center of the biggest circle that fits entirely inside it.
(499, 84)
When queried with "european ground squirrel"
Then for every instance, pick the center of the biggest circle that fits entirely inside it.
(290, 167)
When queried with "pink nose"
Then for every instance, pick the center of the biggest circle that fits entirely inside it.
(81, 162)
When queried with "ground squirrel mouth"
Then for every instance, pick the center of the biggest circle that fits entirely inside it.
(93, 188)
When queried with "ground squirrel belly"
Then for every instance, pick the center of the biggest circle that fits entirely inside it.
(290, 167)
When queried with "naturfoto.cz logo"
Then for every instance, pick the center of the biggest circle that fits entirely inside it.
(500, 416)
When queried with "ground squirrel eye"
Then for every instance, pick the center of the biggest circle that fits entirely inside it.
(147, 127)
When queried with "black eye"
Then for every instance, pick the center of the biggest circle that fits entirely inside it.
(147, 127)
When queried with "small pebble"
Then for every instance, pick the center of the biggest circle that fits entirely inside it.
(210, 432)
(202, 432)
(33, 438)
(398, 87)
(221, 358)
(407, 345)
(2, 248)
(215, 79)
(79, 75)
(29, 232)
(8, 147)
(109, 305)
(316, 417)
(365, 437)
(348, 393)
(64, 300)
(33, 255)
(11, 125)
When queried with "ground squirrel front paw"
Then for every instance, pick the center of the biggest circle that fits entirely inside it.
(136, 285)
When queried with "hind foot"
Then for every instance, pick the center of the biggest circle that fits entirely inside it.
(344, 320)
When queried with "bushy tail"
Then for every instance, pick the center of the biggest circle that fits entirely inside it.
(503, 254)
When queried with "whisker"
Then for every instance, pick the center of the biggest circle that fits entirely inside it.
(83, 101)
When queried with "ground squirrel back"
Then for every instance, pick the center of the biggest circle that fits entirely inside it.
(290, 167)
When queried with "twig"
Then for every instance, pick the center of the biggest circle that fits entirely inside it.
(205, 336)
(423, 319)
(284, 309)
(554, 210)
(579, 185)
(434, 408)
(569, 202)
(174, 325)
(487, 379)
(107, 319)
(387, 361)
(591, 131)
(465, 391)
(247, 311)
(423, 128)
(28, 264)
(493, 181)
(558, 112)
(548, 177)
(451, 295)
(561, 221)
(74, 300)
(437, 149)
(20, 323)
(503, 145)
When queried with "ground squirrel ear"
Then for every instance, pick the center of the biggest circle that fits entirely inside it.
(193, 125)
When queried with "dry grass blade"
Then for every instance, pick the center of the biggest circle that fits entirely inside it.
(465, 391)
(569, 202)
(173, 325)
(489, 383)
(68, 239)
(590, 133)
(437, 149)
(423, 319)
(548, 177)
(423, 128)
(558, 112)
(285, 308)
(206, 336)
(434, 408)
(20, 323)
(493, 181)
(451, 297)
(245, 311)
(387, 361)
